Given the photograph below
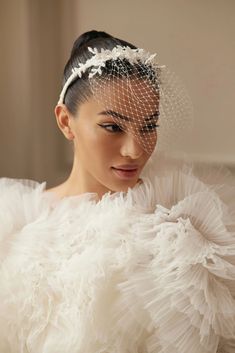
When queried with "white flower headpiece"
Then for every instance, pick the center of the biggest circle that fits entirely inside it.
(98, 60)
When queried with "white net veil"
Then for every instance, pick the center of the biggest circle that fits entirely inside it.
(143, 98)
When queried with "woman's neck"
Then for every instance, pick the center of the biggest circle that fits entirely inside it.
(80, 182)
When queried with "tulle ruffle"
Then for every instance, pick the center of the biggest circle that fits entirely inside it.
(147, 271)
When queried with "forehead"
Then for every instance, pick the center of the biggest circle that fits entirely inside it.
(131, 97)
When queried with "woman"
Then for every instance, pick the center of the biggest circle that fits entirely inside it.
(135, 251)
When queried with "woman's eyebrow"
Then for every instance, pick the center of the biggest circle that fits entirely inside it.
(115, 115)
(123, 117)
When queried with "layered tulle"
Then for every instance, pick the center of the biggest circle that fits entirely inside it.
(147, 271)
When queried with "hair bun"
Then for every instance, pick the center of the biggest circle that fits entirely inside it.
(86, 37)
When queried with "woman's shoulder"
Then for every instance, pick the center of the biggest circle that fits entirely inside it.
(191, 239)
(24, 188)
(174, 179)
(20, 193)
(21, 202)
(18, 184)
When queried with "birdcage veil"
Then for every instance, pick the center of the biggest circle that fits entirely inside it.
(142, 97)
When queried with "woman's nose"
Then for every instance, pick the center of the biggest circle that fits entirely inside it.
(131, 147)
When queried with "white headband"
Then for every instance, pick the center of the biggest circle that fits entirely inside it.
(98, 60)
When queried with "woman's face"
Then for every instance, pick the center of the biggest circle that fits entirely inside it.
(109, 154)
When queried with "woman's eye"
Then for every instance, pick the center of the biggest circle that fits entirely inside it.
(116, 128)
(111, 127)
(150, 127)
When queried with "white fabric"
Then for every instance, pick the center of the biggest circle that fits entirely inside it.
(147, 271)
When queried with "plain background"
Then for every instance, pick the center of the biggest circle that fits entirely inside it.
(195, 38)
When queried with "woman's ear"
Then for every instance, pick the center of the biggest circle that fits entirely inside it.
(63, 118)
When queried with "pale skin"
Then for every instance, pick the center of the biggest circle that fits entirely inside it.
(100, 145)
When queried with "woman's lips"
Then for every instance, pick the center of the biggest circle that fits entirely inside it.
(127, 166)
(125, 173)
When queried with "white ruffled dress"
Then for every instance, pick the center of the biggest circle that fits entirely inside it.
(151, 270)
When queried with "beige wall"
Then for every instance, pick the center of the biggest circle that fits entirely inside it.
(194, 37)
(14, 88)
(35, 35)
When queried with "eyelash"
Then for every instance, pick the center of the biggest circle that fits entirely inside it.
(151, 127)
(111, 125)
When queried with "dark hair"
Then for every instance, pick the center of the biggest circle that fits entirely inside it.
(79, 90)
